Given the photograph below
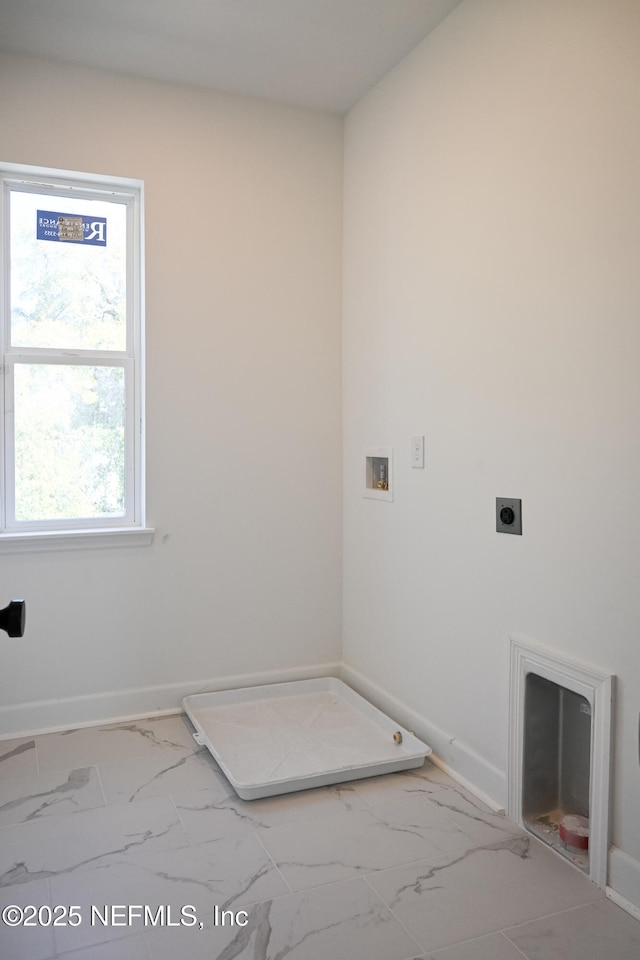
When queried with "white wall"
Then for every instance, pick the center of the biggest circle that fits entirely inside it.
(243, 228)
(492, 299)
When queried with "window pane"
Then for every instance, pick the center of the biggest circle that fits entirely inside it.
(67, 293)
(69, 441)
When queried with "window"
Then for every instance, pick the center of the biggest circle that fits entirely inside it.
(72, 438)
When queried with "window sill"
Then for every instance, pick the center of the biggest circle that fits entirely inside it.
(42, 541)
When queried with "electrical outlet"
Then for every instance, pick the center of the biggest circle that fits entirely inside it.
(508, 515)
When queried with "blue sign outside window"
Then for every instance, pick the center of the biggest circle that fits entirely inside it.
(71, 228)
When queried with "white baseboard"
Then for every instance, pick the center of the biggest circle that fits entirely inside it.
(620, 901)
(49, 716)
(473, 788)
(459, 760)
(624, 881)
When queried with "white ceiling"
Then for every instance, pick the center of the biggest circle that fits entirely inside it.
(317, 53)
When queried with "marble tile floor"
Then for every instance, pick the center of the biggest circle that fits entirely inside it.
(125, 842)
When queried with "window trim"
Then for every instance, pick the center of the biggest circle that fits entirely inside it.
(49, 540)
(131, 529)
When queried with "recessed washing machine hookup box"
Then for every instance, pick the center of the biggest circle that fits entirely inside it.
(379, 474)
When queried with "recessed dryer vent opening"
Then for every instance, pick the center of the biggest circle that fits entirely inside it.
(559, 755)
(556, 769)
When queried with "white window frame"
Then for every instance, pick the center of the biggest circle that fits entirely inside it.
(130, 529)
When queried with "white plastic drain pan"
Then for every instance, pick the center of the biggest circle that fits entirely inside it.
(293, 736)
